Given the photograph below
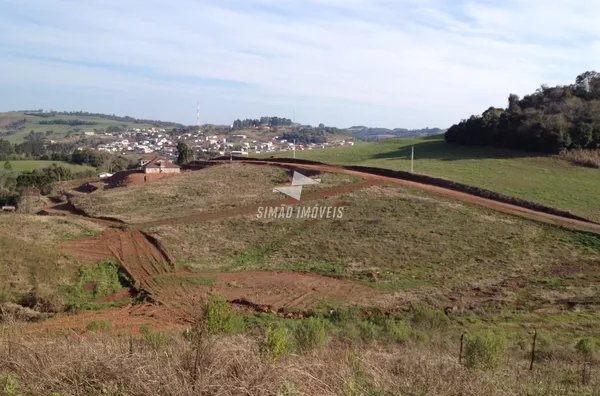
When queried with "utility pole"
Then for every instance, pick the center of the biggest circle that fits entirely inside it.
(412, 160)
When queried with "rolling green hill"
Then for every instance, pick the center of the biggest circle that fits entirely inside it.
(14, 129)
(26, 165)
(540, 178)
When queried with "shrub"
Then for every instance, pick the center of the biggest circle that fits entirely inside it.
(10, 385)
(544, 348)
(587, 348)
(486, 350)
(311, 333)
(276, 343)
(396, 331)
(369, 330)
(428, 319)
(219, 318)
(588, 158)
(156, 339)
(99, 325)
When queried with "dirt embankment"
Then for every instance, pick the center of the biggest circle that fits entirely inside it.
(141, 256)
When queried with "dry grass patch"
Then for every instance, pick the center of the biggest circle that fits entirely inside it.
(587, 158)
(103, 364)
(213, 189)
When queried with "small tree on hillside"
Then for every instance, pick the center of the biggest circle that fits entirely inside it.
(8, 166)
(185, 153)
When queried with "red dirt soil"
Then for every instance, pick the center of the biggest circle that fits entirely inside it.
(127, 319)
(139, 255)
(272, 291)
(128, 178)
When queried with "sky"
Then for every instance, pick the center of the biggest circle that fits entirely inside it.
(380, 63)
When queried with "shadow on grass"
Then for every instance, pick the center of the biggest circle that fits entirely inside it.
(440, 150)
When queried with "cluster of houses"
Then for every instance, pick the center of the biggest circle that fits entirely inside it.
(140, 141)
(158, 141)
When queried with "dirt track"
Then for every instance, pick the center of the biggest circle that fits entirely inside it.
(489, 203)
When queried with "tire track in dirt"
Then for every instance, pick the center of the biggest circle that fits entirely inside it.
(462, 196)
(274, 291)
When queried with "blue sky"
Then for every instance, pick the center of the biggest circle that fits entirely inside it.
(388, 63)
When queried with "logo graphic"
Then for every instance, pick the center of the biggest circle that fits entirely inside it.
(295, 191)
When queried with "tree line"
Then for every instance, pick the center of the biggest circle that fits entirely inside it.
(64, 152)
(112, 117)
(550, 120)
(60, 121)
(265, 121)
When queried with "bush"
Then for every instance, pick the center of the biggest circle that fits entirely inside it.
(99, 325)
(156, 339)
(10, 385)
(219, 318)
(544, 348)
(428, 319)
(369, 330)
(311, 333)
(276, 343)
(587, 158)
(396, 331)
(587, 348)
(486, 350)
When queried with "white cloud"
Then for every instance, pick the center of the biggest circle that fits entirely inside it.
(403, 63)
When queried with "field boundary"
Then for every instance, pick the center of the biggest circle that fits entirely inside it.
(422, 179)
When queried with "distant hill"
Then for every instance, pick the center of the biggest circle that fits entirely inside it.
(374, 134)
(17, 126)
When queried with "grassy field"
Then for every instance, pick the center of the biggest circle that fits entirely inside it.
(29, 165)
(548, 180)
(215, 189)
(416, 246)
(59, 131)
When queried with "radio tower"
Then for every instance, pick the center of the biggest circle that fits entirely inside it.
(198, 115)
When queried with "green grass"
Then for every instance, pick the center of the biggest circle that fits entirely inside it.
(539, 178)
(403, 240)
(29, 165)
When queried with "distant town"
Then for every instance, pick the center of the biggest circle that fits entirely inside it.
(161, 142)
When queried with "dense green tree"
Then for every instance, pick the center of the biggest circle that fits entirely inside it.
(185, 154)
(550, 120)
(8, 166)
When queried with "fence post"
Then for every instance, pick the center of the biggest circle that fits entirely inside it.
(462, 339)
(533, 350)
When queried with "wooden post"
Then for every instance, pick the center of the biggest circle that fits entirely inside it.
(533, 350)
(130, 344)
(462, 340)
